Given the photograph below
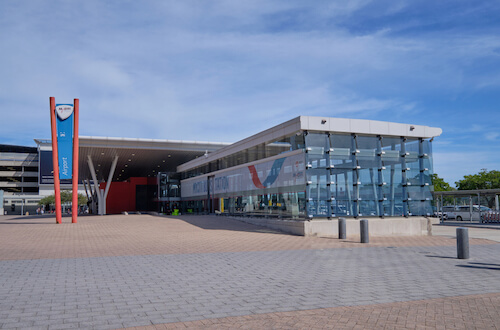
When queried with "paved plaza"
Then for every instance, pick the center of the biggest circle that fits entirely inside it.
(213, 272)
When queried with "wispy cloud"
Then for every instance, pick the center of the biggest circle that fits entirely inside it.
(492, 136)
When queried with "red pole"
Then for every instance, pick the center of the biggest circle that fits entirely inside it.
(55, 159)
(74, 214)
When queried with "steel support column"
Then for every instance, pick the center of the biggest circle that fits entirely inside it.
(96, 186)
(108, 183)
(404, 179)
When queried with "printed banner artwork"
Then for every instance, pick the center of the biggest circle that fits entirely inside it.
(282, 172)
(271, 177)
(64, 123)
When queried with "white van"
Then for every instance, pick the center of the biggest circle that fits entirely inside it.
(449, 212)
(465, 212)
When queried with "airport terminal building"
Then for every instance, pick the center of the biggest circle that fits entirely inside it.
(317, 167)
(305, 168)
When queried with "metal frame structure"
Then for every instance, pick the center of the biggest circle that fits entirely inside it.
(440, 195)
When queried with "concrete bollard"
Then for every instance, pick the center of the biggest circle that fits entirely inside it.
(363, 230)
(462, 243)
(342, 228)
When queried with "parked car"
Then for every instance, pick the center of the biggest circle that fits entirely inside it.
(449, 212)
(465, 212)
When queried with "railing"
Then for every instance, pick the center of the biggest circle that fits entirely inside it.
(491, 217)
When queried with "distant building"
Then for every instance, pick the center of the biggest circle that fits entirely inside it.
(19, 178)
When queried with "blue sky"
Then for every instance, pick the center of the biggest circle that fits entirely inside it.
(223, 70)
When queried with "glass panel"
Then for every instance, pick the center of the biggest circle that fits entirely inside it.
(368, 192)
(318, 175)
(317, 187)
(316, 145)
(340, 155)
(391, 150)
(368, 162)
(318, 208)
(341, 191)
(392, 190)
(413, 173)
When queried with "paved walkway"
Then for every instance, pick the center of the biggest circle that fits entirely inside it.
(212, 272)
(491, 233)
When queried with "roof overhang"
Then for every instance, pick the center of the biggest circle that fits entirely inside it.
(467, 192)
(136, 157)
(318, 124)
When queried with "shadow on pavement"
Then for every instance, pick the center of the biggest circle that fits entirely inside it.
(210, 222)
(36, 219)
(480, 267)
(442, 257)
(484, 263)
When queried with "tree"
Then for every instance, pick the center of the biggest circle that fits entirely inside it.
(66, 197)
(47, 200)
(439, 184)
(482, 180)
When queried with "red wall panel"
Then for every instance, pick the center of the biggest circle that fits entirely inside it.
(121, 195)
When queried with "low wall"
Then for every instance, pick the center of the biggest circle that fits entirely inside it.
(400, 226)
(288, 226)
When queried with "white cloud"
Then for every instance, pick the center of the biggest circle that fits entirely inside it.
(491, 136)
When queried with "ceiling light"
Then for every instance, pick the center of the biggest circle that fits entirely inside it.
(130, 160)
(169, 155)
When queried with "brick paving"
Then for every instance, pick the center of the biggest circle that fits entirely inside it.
(205, 271)
(118, 235)
(465, 312)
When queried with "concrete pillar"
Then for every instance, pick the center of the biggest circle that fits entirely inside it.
(342, 228)
(462, 243)
(363, 230)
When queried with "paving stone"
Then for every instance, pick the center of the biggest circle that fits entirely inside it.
(223, 273)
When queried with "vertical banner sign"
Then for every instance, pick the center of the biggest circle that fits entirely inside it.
(64, 125)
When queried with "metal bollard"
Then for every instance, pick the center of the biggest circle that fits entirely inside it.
(462, 243)
(342, 228)
(363, 229)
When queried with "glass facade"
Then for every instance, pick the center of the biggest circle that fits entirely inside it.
(317, 174)
(271, 187)
(255, 153)
(169, 193)
(356, 175)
